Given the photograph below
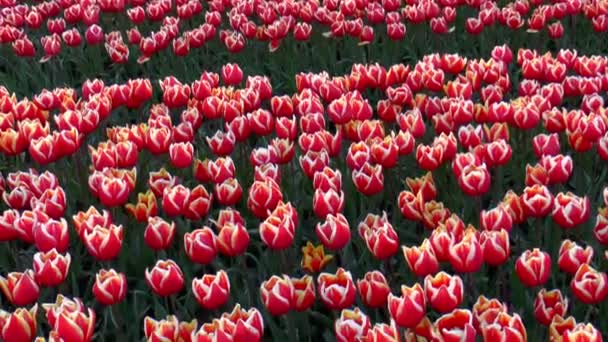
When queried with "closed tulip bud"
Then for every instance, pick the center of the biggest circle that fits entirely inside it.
(373, 289)
(228, 192)
(474, 180)
(570, 210)
(582, 332)
(421, 259)
(277, 294)
(429, 157)
(52, 234)
(232, 74)
(443, 291)
(495, 246)
(337, 291)
(175, 199)
(334, 233)
(114, 191)
(201, 245)
(559, 168)
(222, 143)
(233, 239)
(408, 309)
(20, 325)
(327, 179)
(456, 326)
(505, 328)
(537, 201)
(20, 288)
(10, 226)
(20, 197)
(159, 233)
(549, 304)
(51, 268)
(352, 325)
(110, 287)
(589, 286)
(263, 197)
(104, 243)
(314, 258)
(212, 290)
(181, 154)
(329, 202)
(165, 278)
(466, 256)
(533, 267)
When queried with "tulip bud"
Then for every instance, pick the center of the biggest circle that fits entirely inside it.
(159, 233)
(278, 295)
(20, 325)
(212, 290)
(533, 267)
(201, 245)
(570, 210)
(373, 289)
(379, 235)
(421, 260)
(337, 291)
(165, 278)
(549, 304)
(110, 287)
(352, 325)
(408, 309)
(334, 233)
(20, 288)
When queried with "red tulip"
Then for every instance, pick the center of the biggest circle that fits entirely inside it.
(496, 219)
(369, 180)
(104, 243)
(334, 233)
(20, 325)
(337, 291)
(408, 309)
(465, 256)
(51, 268)
(456, 326)
(572, 256)
(181, 154)
(212, 290)
(474, 180)
(110, 287)
(304, 293)
(559, 168)
(232, 74)
(582, 332)
(549, 304)
(278, 295)
(443, 291)
(373, 289)
(159, 233)
(504, 328)
(278, 231)
(537, 201)
(589, 286)
(495, 246)
(201, 245)
(264, 196)
(165, 278)
(421, 260)
(20, 288)
(533, 267)
(52, 234)
(352, 325)
(379, 235)
(570, 210)
(70, 319)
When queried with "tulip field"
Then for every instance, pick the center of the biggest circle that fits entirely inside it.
(303, 170)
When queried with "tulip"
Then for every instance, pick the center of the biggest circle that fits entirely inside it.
(201, 245)
(379, 235)
(70, 319)
(505, 328)
(165, 278)
(537, 201)
(424, 185)
(314, 258)
(52, 234)
(570, 210)
(145, 207)
(456, 326)
(169, 329)
(212, 290)
(408, 309)
(304, 293)
(180, 154)
(337, 291)
(421, 260)
(104, 243)
(228, 192)
(465, 256)
(589, 285)
(159, 233)
(373, 289)
(110, 287)
(496, 219)
(582, 332)
(369, 180)
(20, 325)
(533, 267)
(443, 291)
(334, 233)
(264, 196)
(572, 256)
(549, 304)
(232, 239)
(20, 288)
(51, 268)
(474, 180)
(352, 325)
(278, 295)
(495, 247)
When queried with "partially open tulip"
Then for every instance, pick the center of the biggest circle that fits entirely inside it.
(456, 326)
(572, 256)
(304, 293)
(201, 245)
(278, 295)
(373, 289)
(589, 286)
(337, 291)
(70, 319)
(549, 304)
(314, 258)
(165, 278)
(533, 267)
(20, 325)
(421, 259)
(409, 308)
(20, 288)
(443, 291)
(212, 290)
(352, 325)
(570, 210)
